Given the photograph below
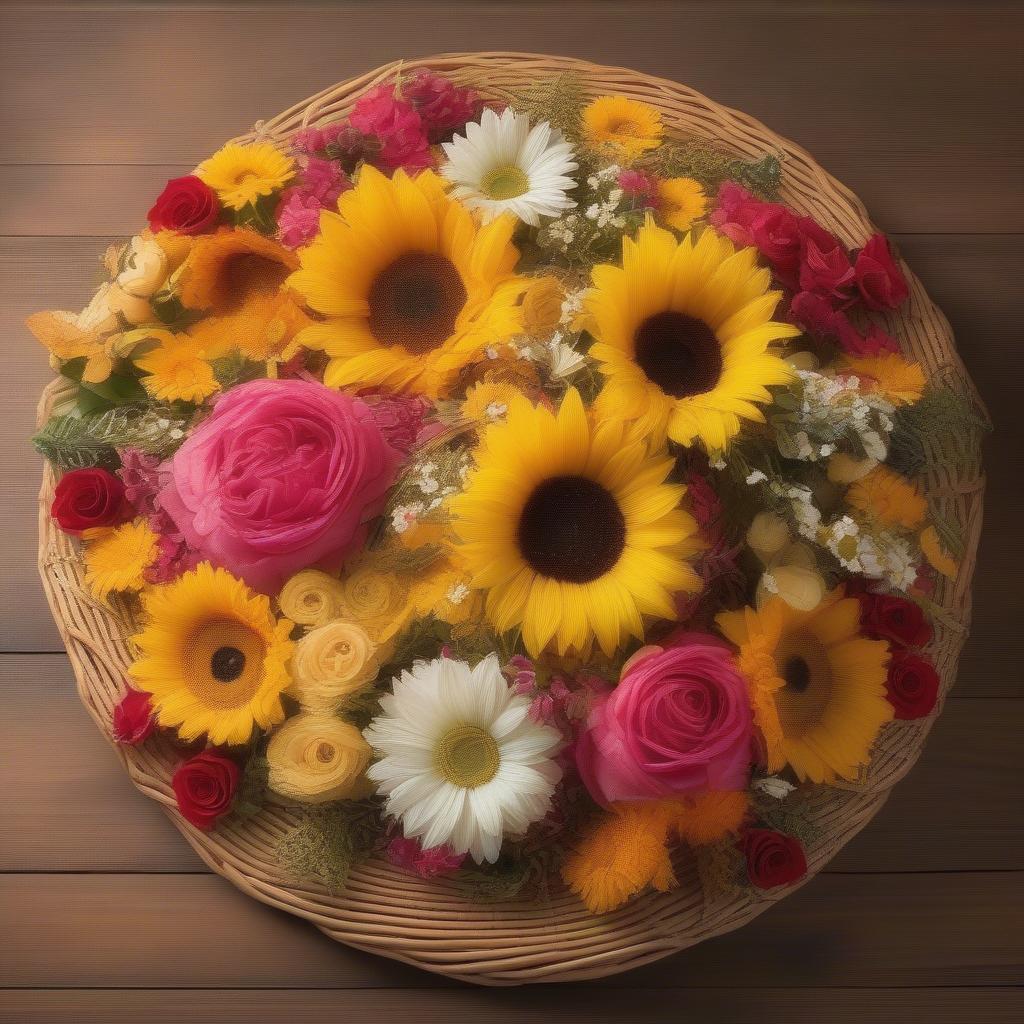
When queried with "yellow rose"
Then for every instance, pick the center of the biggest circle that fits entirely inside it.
(375, 598)
(542, 305)
(145, 268)
(315, 758)
(310, 598)
(331, 663)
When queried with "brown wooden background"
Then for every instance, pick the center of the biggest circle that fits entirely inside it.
(105, 913)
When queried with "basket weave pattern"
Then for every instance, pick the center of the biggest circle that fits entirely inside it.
(430, 924)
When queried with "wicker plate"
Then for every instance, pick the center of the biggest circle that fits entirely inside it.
(430, 925)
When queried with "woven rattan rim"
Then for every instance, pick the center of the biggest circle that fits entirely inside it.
(429, 924)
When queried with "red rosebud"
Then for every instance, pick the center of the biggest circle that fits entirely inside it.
(887, 617)
(133, 718)
(187, 205)
(879, 278)
(912, 686)
(773, 859)
(824, 262)
(85, 498)
(204, 787)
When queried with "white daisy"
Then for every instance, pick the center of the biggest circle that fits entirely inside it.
(461, 760)
(504, 164)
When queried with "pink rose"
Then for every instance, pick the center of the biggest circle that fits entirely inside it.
(444, 107)
(824, 262)
(678, 722)
(397, 128)
(280, 477)
(879, 278)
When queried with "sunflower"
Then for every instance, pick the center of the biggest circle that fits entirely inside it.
(410, 288)
(621, 127)
(117, 559)
(213, 656)
(176, 369)
(817, 685)
(681, 202)
(241, 174)
(571, 528)
(888, 498)
(683, 333)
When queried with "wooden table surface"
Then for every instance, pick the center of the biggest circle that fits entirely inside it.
(107, 915)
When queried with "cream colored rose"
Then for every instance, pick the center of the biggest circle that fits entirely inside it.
(315, 758)
(310, 598)
(145, 268)
(331, 663)
(98, 317)
(768, 535)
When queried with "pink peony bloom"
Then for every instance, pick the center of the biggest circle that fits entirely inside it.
(825, 265)
(408, 854)
(280, 477)
(879, 278)
(444, 107)
(397, 128)
(678, 722)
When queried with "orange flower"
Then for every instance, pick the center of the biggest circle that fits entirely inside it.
(899, 380)
(888, 498)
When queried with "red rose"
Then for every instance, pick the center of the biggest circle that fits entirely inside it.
(85, 498)
(187, 205)
(881, 282)
(824, 262)
(912, 686)
(205, 787)
(133, 718)
(887, 617)
(773, 859)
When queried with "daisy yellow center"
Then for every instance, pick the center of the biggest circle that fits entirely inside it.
(505, 182)
(624, 126)
(571, 528)
(804, 667)
(467, 756)
(678, 353)
(415, 302)
(222, 662)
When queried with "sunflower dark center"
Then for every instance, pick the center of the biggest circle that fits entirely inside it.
(797, 674)
(571, 529)
(415, 301)
(227, 664)
(679, 353)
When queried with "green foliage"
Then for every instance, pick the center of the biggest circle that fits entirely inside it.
(76, 441)
(252, 790)
(711, 167)
(328, 842)
(559, 100)
(791, 815)
(942, 428)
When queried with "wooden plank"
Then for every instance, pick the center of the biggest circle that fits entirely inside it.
(974, 278)
(569, 1004)
(196, 931)
(881, 105)
(958, 809)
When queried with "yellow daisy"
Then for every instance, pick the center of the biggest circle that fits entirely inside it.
(213, 656)
(621, 127)
(816, 685)
(117, 559)
(410, 288)
(683, 200)
(488, 401)
(888, 498)
(898, 379)
(242, 173)
(683, 335)
(571, 529)
(938, 557)
(176, 369)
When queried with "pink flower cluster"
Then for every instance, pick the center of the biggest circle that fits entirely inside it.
(319, 184)
(443, 107)
(640, 188)
(409, 855)
(816, 267)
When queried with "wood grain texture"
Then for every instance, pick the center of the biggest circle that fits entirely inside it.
(959, 809)
(878, 99)
(576, 1005)
(188, 931)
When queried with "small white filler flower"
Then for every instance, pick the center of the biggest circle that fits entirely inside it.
(460, 759)
(504, 164)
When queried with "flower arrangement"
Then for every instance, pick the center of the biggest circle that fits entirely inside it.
(519, 491)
